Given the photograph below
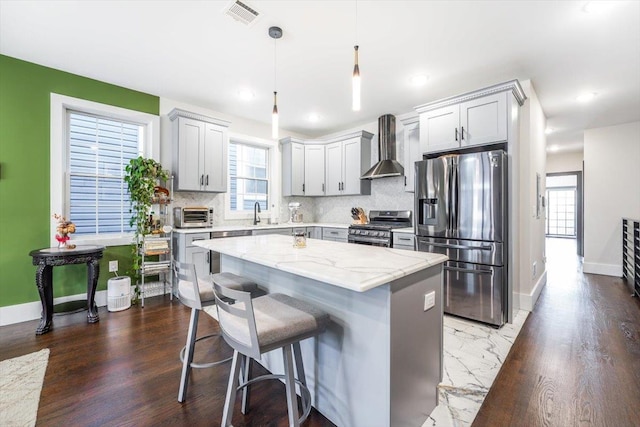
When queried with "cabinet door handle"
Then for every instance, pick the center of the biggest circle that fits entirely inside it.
(462, 134)
(201, 179)
(207, 181)
(323, 187)
(209, 257)
(405, 181)
(303, 188)
(456, 134)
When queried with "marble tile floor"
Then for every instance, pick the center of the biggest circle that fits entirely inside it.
(473, 355)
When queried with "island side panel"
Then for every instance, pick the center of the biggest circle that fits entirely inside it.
(348, 366)
(416, 347)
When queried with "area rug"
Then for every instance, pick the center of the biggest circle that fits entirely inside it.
(21, 381)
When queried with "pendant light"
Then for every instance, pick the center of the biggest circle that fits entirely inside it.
(356, 71)
(275, 33)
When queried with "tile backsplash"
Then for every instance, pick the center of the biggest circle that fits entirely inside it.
(386, 193)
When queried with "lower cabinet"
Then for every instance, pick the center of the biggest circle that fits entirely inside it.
(314, 232)
(335, 234)
(186, 251)
(404, 241)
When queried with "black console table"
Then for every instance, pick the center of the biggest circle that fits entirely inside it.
(48, 258)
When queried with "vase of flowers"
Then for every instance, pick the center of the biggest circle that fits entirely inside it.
(63, 229)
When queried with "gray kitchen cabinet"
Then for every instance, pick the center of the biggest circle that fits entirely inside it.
(478, 118)
(326, 167)
(200, 152)
(335, 234)
(314, 167)
(403, 241)
(412, 151)
(293, 167)
(347, 158)
(314, 232)
(186, 251)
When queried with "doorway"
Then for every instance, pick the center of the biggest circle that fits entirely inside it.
(564, 207)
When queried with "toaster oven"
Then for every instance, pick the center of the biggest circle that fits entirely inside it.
(193, 217)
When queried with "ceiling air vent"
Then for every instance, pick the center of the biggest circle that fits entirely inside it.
(242, 13)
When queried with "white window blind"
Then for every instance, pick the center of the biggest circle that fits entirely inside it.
(248, 176)
(99, 150)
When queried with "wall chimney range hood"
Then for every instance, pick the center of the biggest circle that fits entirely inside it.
(388, 165)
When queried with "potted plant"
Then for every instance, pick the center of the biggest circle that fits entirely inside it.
(141, 176)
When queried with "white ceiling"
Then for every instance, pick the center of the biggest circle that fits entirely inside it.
(191, 51)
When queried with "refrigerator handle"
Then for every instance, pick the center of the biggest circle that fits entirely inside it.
(454, 199)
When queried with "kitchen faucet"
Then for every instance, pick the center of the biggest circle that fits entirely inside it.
(256, 211)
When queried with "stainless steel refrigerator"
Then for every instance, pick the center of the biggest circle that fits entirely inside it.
(461, 211)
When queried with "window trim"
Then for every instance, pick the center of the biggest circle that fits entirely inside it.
(273, 192)
(59, 161)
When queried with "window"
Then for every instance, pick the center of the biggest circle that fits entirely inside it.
(248, 176)
(99, 150)
(91, 143)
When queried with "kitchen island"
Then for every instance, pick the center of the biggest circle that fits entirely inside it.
(380, 360)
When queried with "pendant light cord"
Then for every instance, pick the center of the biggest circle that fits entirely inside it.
(356, 22)
(275, 61)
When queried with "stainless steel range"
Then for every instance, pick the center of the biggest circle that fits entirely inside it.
(378, 231)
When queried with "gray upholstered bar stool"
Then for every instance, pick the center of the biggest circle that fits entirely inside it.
(256, 326)
(197, 293)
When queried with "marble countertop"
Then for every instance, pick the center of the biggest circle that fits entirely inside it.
(355, 267)
(259, 227)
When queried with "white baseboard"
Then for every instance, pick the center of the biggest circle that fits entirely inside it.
(31, 310)
(528, 301)
(604, 269)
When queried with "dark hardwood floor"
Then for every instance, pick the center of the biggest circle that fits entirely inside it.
(575, 363)
(125, 371)
(577, 360)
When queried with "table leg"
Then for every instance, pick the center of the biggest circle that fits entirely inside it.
(93, 271)
(44, 278)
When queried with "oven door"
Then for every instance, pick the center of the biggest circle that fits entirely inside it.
(371, 241)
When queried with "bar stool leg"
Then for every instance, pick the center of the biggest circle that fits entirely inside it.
(246, 376)
(290, 385)
(230, 399)
(297, 353)
(188, 357)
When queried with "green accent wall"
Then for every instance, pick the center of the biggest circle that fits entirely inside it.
(25, 214)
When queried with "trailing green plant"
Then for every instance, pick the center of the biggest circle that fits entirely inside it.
(141, 176)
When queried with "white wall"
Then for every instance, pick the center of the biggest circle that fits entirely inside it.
(569, 161)
(531, 240)
(611, 191)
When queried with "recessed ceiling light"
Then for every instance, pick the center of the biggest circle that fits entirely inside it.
(246, 94)
(314, 118)
(586, 97)
(548, 131)
(419, 80)
(554, 148)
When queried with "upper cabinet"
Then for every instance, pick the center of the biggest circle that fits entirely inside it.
(292, 167)
(200, 152)
(314, 164)
(412, 150)
(476, 118)
(329, 167)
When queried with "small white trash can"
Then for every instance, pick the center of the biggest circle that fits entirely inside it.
(118, 293)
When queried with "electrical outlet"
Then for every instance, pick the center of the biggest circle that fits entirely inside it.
(535, 265)
(429, 300)
(113, 266)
